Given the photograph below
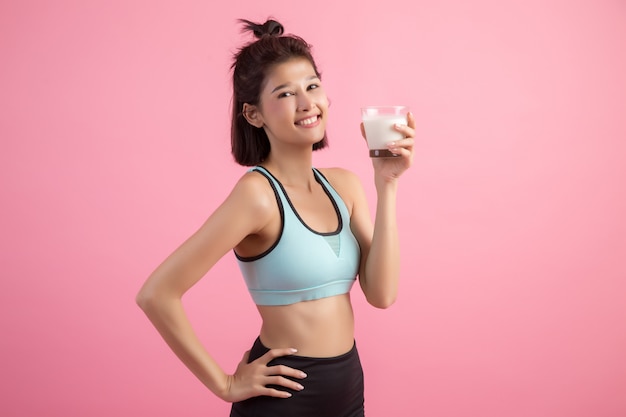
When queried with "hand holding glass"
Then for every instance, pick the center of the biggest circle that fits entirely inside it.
(378, 123)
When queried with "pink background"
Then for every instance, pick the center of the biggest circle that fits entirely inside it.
(114, 121)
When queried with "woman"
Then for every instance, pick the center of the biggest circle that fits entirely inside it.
(300, 236)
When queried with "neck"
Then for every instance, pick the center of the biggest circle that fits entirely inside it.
(293, 170)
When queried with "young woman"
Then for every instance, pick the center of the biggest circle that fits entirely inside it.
(301, 236)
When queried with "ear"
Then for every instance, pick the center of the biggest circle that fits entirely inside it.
(252, 115)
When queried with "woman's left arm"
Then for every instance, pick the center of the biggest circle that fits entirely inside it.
(379, 271)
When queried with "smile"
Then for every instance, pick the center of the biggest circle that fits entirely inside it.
(308, 121)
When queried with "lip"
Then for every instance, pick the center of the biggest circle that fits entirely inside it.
(309, 125)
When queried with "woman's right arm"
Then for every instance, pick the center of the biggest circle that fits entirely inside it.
(246, 211)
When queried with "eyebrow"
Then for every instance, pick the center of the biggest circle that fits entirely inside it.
(309, 78)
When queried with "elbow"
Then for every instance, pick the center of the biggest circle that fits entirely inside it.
(382, 302)
(145, 299)
(152, 298)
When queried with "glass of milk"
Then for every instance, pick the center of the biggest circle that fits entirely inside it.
(378, 122)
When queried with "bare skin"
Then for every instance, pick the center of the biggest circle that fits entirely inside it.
(292, 110)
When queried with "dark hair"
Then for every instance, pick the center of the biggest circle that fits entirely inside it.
(250, 145)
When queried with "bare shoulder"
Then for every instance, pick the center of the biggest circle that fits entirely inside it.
(341, 178)
(249, 207)
(346, 182)
(254, 192)
(340, 175)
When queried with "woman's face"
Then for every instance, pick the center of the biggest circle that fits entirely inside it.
(293, 105)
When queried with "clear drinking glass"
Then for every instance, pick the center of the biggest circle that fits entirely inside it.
(378, 122)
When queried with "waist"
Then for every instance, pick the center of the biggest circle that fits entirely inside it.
(318, 328)
(259, 349)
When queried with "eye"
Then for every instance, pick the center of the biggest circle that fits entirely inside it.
(285, 94)
(313, 86)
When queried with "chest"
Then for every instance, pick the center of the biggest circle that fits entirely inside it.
(315, 208)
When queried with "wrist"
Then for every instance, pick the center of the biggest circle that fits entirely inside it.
(384, 184)
(222, 387)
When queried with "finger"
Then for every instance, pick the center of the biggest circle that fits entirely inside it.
(400, 152)
(402, 147)
(272, 392)
(363, 130)
(285, 370)
(406, 143)
(284, 382)
(406, 130)
(410, 119)
(276, 353)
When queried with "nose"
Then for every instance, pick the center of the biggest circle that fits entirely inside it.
(305, 102)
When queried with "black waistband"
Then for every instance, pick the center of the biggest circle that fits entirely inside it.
(259, 349)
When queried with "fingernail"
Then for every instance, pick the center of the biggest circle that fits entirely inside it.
(391, 144)
(300, 387)
(293, 350)
(303, 374)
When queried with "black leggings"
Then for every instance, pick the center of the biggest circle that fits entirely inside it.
(333, 388)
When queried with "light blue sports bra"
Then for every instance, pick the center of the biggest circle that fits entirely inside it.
(303, 264)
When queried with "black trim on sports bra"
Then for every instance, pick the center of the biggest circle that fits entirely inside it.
(282, 220)
(330, 197)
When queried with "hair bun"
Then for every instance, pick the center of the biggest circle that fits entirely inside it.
(269, 28)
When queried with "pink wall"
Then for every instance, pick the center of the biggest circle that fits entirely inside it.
(114, 129)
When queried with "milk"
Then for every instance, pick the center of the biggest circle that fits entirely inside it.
(379, 129)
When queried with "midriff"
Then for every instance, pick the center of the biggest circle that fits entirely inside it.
(320, 328)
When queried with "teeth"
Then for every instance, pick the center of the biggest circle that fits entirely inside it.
(308, 121)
